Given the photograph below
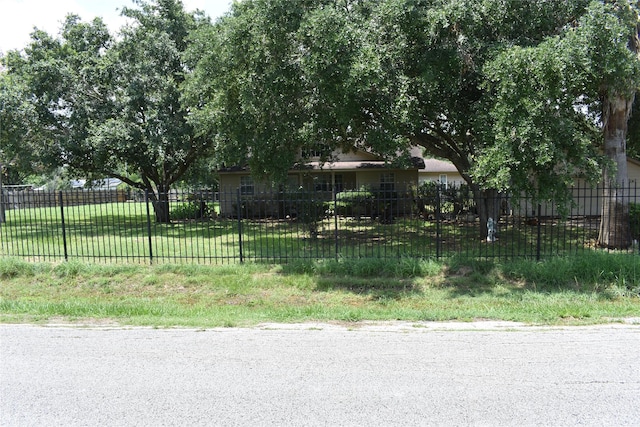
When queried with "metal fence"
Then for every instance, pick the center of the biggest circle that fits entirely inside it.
(230, 226)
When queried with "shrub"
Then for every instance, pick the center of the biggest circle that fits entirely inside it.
(453, 200)
(189, 210)
(355, 202)
(305, 208)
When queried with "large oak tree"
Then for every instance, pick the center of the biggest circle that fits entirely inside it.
(561, 103)
(17, 126)
(112, 107)
(279, 76)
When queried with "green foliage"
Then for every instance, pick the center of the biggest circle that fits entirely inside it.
(306, 208)
(13, 267)
(543, 140)
(355, 202)
(276, 78)
(549, 103)
(452, 200)
(245, 90)
(71, 269)
(189, 210)
(18, 131)
(509, 91)
(573, 290)
(110, 107)
(371, 268)
(612, 274)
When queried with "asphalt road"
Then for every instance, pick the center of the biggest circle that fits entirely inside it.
(320, 375)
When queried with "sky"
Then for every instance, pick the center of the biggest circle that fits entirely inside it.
(19, 17)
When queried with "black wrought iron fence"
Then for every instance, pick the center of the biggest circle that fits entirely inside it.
(229, 226)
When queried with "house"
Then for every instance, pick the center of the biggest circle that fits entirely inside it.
(441, 171)
(588, 199)
(357, 169)
(103, 184)
(436, 170)
(444, 172)
(345, 171)
(633, 171)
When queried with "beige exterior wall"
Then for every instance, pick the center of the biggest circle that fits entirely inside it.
(402, 178)
(633, 172)
(230, 183)
(345, 175)
(453, 178)
(587, 199)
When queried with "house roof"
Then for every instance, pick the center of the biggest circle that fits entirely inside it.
(438, 166)
(354, 165)
(432, 165)
(98, 184)
(345, 165)
(416, 163)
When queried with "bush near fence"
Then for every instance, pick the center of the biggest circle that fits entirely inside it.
(280, 226)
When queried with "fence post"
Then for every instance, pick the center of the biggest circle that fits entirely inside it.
(539, 226)
(150, 243)
(64, 226)
(438, 219)
(335, 221)
(1, 197)
(240, 226)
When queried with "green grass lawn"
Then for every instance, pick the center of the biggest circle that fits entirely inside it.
(121, 232)
(586, 289)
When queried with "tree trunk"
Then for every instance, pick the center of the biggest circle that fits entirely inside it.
(160, 202)
(161, 208)
(615, 232)
(488, 206)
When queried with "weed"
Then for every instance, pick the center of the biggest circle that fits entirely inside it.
(13, 267)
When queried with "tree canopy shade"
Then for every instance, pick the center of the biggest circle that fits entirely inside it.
(112, 108)
(518, 95)
(17, 124)
(562, 102)
(279, 76)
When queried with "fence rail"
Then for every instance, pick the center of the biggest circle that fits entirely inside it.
(233, 226)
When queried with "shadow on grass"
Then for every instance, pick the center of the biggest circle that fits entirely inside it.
(608, 275)
(377, 278)
(376, 289)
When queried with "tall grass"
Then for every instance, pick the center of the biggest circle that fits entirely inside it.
(590, 271)
(563, 290)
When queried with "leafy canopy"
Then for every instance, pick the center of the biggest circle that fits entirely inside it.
(108, 107)
(549, 102)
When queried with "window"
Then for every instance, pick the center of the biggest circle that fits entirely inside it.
(387, 182)
(337, 179)
(246, 186)
(443, 181)
(314, 152)
(322, 183)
